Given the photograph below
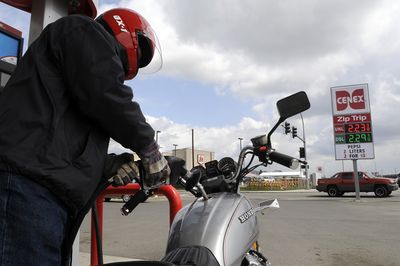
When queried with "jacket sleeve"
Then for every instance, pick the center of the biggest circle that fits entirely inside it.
(94, 76)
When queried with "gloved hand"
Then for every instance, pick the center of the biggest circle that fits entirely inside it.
(155, 166)
(120, 169)
(125, 174)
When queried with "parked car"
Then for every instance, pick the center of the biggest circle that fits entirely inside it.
(343, 182)
(394, 176)
(125, 198)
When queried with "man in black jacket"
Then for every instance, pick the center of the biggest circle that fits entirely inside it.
(60, 108)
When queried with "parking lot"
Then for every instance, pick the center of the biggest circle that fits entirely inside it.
(310, 228)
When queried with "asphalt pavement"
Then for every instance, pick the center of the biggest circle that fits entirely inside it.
(310, 228)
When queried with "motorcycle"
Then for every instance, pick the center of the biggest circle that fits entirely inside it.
(220, 226)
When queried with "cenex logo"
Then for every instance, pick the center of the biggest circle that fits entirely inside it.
(356, 100)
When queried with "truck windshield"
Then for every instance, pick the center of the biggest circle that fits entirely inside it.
(371, 175)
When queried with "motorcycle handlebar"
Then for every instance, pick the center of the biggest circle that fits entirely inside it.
(177, 171)
(134, 201)
(284, 159)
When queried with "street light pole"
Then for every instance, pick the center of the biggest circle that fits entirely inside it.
(157, 132)
(175, 149)
(240, 143)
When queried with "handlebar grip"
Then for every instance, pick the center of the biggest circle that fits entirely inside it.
(134, 201)
(193, 179)
(284, 159)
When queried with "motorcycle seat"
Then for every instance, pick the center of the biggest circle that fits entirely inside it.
(193, 255)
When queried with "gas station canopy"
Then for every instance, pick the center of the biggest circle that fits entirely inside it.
(86, 7)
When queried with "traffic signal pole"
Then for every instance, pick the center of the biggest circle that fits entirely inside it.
(293, 130)
(305, 153)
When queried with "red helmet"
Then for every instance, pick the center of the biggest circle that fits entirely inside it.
(134, 34)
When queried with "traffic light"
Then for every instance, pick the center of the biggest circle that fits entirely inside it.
(302, 152)
(287, 127)
(294, 132)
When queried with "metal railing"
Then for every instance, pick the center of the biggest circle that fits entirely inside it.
(175, 204)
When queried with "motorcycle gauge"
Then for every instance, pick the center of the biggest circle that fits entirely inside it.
(227, 165)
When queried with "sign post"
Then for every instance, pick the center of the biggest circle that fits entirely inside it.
(352, 126)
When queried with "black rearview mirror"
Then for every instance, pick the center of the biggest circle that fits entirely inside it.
(288, 107)
(293, 105)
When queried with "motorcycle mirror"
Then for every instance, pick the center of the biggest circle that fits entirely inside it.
(269, 204)
(288, 107)
(293, 105)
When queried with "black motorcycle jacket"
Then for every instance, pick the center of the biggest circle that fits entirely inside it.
(62, 104)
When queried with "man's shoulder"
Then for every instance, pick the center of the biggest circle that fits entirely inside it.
(72, 21)
(76, 25)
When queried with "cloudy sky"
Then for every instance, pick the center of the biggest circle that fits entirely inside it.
(227, 62)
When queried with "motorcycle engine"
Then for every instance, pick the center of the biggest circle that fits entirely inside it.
(254, 258)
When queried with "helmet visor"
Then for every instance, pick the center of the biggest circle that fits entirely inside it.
(150, 50)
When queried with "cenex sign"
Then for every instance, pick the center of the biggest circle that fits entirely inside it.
(352, 123)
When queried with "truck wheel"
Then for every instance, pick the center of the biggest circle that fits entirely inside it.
(381, 191)
(333, 191)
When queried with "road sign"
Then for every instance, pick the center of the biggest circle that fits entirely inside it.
(352, 125)
(200, 159)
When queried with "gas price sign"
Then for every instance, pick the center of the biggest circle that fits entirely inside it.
(352, 122)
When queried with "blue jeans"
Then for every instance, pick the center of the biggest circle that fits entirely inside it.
(32, 223)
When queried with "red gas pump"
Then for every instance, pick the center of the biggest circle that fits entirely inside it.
(86, 7)
(10, 51)
(44, 12)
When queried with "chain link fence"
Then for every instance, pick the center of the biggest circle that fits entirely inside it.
(255, 184)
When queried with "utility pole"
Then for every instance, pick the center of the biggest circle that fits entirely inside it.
(192, 147)
(175, 149)
(303, 152)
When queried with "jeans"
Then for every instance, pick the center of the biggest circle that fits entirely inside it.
(32, 223)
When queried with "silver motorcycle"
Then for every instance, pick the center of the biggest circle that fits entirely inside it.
(220, 226)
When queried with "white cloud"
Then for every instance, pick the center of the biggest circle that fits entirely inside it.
(264, 50)
(261, 51)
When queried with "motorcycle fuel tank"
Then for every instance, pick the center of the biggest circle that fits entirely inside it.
(225, 223)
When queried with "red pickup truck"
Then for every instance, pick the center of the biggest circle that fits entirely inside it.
(343, 182)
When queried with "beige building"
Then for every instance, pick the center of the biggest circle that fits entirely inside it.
(200, 156)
